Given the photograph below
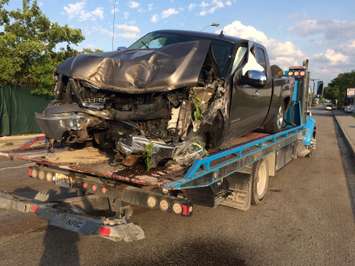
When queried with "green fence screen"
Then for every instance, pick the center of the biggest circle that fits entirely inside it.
(17, 111)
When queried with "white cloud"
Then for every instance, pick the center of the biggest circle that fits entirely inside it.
(335, 38)
(77, 10)
(238, 29)
(283, 53)
(74, 9)
(133, 4)
(169, 12)
(128, 31)
(331, 56)
(154, 18)
(328, 29)
(211, 6)
(97, 13)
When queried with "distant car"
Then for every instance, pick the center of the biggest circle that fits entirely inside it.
(328, 107)
(349, 109)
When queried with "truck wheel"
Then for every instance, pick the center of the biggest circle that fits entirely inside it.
(260, 181)
(277, 122)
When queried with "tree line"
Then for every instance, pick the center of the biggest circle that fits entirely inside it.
(336, 89)
(31, 46)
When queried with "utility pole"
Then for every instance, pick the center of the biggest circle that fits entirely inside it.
(114, 23)
(24, 5)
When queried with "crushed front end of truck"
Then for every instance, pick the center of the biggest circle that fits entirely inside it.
(153, 106)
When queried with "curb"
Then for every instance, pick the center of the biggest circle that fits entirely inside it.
(346, 137)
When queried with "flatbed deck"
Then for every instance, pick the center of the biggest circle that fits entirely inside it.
(93, 162)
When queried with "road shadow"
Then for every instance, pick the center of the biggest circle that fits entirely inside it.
(348, 165)
(60, 246)
(192, 252)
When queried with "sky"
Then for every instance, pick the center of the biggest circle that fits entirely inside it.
(323, 31)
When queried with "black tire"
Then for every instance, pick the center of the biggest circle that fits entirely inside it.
(260, 181)
(277, 122)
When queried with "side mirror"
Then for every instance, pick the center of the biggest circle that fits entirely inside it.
(254, 78)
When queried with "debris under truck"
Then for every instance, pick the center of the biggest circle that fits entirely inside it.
(112, 172)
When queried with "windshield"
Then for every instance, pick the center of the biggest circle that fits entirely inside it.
(222, 50)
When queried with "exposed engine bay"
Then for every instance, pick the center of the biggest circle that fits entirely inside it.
(152, 105)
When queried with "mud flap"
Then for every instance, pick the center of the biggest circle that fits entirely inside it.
(241, 189)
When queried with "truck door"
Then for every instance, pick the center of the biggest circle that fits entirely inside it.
(246, 111)
(263, 94)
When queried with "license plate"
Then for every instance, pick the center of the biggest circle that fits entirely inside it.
(73, 223)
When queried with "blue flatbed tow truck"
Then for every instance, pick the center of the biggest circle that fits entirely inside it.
(236, 177)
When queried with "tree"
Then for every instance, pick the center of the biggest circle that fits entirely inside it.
(31, 46)
(336, 89)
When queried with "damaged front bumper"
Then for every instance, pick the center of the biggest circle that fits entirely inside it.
(73, 127)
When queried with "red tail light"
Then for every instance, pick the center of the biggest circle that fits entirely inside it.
(34, 208)
(104, 231)
(186, 210)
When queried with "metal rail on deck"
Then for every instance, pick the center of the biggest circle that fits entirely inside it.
(215, 167)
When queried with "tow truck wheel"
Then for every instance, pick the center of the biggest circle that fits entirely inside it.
(260, 181)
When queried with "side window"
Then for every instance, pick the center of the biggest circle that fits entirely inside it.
(157, 43)
(239, 56)
(260, 57)
(252, 63)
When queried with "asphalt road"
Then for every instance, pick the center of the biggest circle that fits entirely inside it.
(307, 219)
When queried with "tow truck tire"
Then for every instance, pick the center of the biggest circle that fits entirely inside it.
(260, 181)
(277, 121)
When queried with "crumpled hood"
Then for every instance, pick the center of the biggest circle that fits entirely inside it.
(139, 71)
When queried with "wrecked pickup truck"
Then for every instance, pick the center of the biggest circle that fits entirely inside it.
(169, 97)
